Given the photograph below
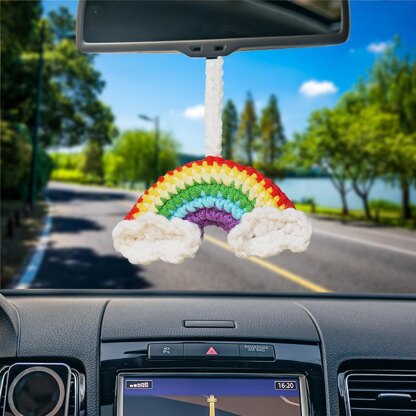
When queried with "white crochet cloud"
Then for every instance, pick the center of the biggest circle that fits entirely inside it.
(267, 231)
(152, 237)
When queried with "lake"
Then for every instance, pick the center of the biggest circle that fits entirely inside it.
(324, 193)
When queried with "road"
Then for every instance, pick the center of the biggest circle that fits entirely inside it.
(341, 258)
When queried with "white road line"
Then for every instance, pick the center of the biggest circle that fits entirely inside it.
(37, 257)
(366, 242)
(375, 232)
(390, 235)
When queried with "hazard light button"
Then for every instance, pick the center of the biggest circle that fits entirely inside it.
(206, 351)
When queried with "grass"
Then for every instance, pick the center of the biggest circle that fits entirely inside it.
(385, 216)
(15, 250)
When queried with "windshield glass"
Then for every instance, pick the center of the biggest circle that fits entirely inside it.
(84, 136)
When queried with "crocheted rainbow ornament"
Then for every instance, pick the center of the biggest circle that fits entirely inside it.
(168, 220)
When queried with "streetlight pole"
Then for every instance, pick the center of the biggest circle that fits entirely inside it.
(37, 120)
(155, 121)
(35, 139)
(156, 167)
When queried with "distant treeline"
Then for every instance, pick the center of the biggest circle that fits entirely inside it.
(254, 140)
(128, 163)
(289, 172)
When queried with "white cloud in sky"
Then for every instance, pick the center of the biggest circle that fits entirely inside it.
(378, 47)
(313, 88)
(195, 113)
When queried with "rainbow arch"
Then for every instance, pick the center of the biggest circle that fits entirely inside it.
(211, 191)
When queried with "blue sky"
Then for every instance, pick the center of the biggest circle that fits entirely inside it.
(172, 85)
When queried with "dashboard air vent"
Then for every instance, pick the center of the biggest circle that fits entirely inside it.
(76, 393)
(377, 394)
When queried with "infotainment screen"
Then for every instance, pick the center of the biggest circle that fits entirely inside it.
(212, 395)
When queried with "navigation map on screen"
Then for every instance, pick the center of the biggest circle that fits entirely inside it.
(194, 396)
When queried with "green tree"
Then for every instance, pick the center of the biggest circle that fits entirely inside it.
(71, 111)
(16, 152)
(368, 148)
(19, 29)
(131, 158)
(401, 163)
(93, 166)
(322, 145)
(135, 149)
(247, 131)
(72, 89)
(393, 88)
(229, 129)
(100, 134)
(168, 153)
(71, 85)
(61, 23)
(272, 138)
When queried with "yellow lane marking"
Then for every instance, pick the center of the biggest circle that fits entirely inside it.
(301, 281)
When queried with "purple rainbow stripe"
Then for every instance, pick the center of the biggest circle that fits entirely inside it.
(212, 216)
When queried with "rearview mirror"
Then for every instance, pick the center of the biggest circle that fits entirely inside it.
(209, 28)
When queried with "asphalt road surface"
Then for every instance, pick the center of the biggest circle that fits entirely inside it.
(341, 258)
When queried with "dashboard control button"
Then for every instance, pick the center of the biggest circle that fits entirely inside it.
(257, 351)
(211, 351)
(165, 351)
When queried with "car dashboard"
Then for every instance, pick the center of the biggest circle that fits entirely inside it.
(307, 355)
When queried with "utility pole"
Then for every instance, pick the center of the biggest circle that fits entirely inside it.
(156, 167)
(36, 126)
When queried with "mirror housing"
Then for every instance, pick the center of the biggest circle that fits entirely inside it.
(208, 28)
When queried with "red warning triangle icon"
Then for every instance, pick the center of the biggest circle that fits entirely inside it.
(211, 351)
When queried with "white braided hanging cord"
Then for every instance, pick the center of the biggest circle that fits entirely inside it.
(213, 106)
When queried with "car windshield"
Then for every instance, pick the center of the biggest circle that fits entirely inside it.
(84, 136)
